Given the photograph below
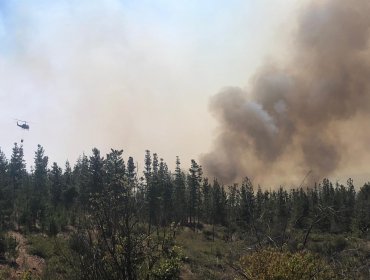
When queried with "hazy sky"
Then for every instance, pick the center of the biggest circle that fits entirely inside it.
(130, 75)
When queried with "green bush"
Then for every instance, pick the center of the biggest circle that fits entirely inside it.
(53, 228)
(57, 269)
(8, 248)
(169, 268)
(41, 246)
(5, 273)
(329, 245)
(208, 234)
(272, 264)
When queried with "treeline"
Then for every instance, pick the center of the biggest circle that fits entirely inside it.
(50, 199)
(122, 224)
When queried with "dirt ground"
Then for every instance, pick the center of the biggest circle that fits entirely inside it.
(24, 262)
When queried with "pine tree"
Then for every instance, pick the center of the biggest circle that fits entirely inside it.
(150, 192)
(69, 190)
(363, 210)
(194, 180)
(56, 189)
(259, 205)
(68, 176)
(148, 167)
(232, 209)
(81, 177)
(166, 195)
(282, 213)
(40, 175)
(155, 164)
(349, 201)
(179, 194)
(154, 192)
(131, 170)
(5, 193)
(4, 181)
(207, 201)
(326, 201)
(17, 174)
(300, 208)
(247, 201)
(17, 168)
(96, 164)
(40, 196)
(116, 172)
(219, 201)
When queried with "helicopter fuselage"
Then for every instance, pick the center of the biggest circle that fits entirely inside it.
(23, 126)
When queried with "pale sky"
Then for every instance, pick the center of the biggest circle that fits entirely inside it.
(131, 75)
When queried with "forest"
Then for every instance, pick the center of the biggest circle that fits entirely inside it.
(102, 218)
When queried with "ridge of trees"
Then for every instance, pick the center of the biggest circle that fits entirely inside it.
(130, 221)
(39, 198)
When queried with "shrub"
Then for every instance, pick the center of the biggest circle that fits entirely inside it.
(5, 273)
(41, 246)
(330, 245)
(8, 248)
(271, 264)
(169, 267)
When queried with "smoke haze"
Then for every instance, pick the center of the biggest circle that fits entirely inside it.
(125, 74)
(309, 113)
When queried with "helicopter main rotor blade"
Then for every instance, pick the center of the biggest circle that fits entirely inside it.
(18, 120)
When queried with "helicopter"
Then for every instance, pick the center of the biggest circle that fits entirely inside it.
(23, 124)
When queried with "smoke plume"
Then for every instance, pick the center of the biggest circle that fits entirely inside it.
(307, 115)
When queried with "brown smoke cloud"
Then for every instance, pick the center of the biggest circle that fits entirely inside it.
(306, 115)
